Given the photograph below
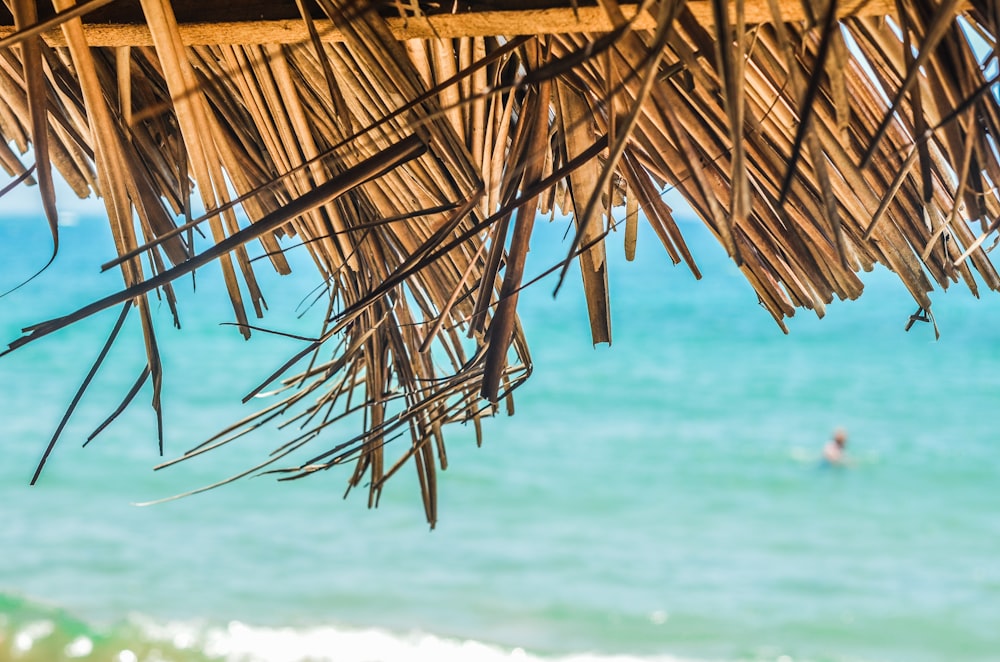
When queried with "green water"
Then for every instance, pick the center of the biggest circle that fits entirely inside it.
(658, 500)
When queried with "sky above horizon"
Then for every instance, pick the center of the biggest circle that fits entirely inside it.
(24, 200)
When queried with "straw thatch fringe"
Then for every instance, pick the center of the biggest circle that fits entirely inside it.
(813, 142)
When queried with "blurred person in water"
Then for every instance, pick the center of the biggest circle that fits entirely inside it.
(834, 454)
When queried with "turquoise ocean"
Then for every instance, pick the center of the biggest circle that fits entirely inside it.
(658, 500)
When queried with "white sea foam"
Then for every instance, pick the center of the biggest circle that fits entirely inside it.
(26, 638)
(79, 647)
(239, 642)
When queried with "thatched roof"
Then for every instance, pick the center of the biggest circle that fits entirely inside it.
(410, 144)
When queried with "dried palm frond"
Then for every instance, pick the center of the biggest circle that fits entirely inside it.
(410, 149)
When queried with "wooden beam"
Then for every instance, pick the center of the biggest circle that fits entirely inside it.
(470, 24)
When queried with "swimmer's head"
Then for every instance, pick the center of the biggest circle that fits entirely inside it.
(840, 437)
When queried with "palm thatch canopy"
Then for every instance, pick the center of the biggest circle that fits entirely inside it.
(410, 145)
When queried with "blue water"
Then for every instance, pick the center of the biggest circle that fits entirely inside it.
(661, 499)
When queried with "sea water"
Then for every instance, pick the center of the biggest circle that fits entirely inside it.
(661, 499)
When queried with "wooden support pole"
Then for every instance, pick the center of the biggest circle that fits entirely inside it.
(558, 20)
